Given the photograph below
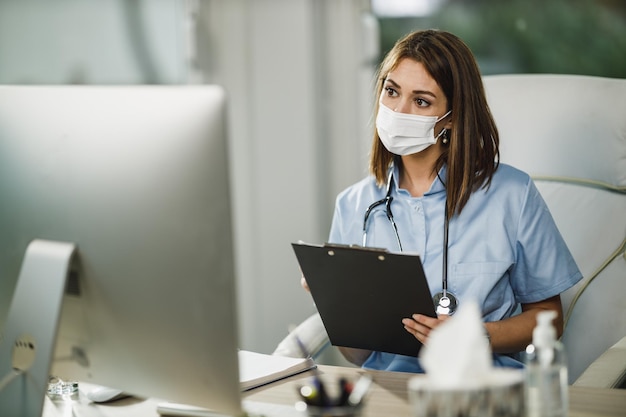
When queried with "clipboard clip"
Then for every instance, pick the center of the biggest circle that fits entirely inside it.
(354, 246)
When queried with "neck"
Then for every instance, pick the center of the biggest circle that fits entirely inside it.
(418, 171)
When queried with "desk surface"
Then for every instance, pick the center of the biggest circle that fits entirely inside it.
(388, 396)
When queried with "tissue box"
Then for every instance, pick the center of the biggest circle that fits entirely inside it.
(498, 393)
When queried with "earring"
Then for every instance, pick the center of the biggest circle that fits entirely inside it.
(445, 139)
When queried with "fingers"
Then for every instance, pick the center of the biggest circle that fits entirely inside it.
(417, 327)
(304, 284)
(420, 326)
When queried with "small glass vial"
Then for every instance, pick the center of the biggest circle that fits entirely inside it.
(60, 388)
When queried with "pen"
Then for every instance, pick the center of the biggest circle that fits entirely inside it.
(359, 390)
(322, 397)
(345, 388)
(315, 394)
(303, 349)
(309, 395)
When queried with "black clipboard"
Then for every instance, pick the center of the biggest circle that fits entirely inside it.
(362, 294)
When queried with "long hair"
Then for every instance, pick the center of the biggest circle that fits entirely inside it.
(472, 155)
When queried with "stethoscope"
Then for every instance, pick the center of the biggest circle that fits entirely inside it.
(445, 302)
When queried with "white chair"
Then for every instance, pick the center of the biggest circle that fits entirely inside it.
(309, 338)
(608, 371)
(569, 133)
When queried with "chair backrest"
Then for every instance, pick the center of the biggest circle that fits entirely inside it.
(569, 133)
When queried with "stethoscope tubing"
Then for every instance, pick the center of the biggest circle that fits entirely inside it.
(387, 202)
(445, 300)
(444, 270)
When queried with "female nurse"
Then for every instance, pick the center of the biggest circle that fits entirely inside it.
(436, 188)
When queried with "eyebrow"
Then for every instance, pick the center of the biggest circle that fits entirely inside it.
(423, 92)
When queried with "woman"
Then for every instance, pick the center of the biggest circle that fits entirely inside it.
(480, 226)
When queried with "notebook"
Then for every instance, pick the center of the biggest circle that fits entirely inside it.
(255, 369)
(362, 294)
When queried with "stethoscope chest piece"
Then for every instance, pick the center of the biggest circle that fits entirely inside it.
(445, 304)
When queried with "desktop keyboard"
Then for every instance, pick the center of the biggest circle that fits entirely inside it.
(252, 409)
(259, 409)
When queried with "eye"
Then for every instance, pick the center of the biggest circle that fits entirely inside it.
(421, 102)
(391, 92)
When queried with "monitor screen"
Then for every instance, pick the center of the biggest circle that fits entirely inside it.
(137, 179)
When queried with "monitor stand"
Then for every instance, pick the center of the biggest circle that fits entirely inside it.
(28, 340)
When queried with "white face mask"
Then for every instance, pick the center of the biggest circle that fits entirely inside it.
(406, 134)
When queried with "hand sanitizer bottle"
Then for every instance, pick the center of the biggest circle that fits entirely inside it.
(546, 371)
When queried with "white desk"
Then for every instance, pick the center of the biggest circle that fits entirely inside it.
(388, 396)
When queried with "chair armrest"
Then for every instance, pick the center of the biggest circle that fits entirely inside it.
(309, 337)
(608, 371)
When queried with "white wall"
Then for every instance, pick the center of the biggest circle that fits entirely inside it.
(92, 42)
(299, 74)
(299, 82)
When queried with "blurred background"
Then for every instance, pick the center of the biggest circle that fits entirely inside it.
(299, 74)
(521, 36)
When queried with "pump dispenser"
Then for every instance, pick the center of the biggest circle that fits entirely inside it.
(546, 371)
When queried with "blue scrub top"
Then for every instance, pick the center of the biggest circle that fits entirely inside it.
(504, 247)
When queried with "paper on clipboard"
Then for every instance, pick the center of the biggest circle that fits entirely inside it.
(362, 294)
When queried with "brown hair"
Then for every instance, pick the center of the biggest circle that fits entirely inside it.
(472, 154)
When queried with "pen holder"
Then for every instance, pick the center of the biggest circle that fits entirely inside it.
(338, 411)
(333, 398)
(502, 394)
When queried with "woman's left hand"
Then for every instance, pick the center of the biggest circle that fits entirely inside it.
(420, 325)
(509, 335)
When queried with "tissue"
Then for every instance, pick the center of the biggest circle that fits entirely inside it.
(460, 380)
(457, 354)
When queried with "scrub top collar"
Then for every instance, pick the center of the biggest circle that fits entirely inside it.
(436, 187)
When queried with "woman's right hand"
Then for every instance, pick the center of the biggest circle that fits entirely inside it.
(304, 284)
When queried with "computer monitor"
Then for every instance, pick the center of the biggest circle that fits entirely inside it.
(125, 189)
